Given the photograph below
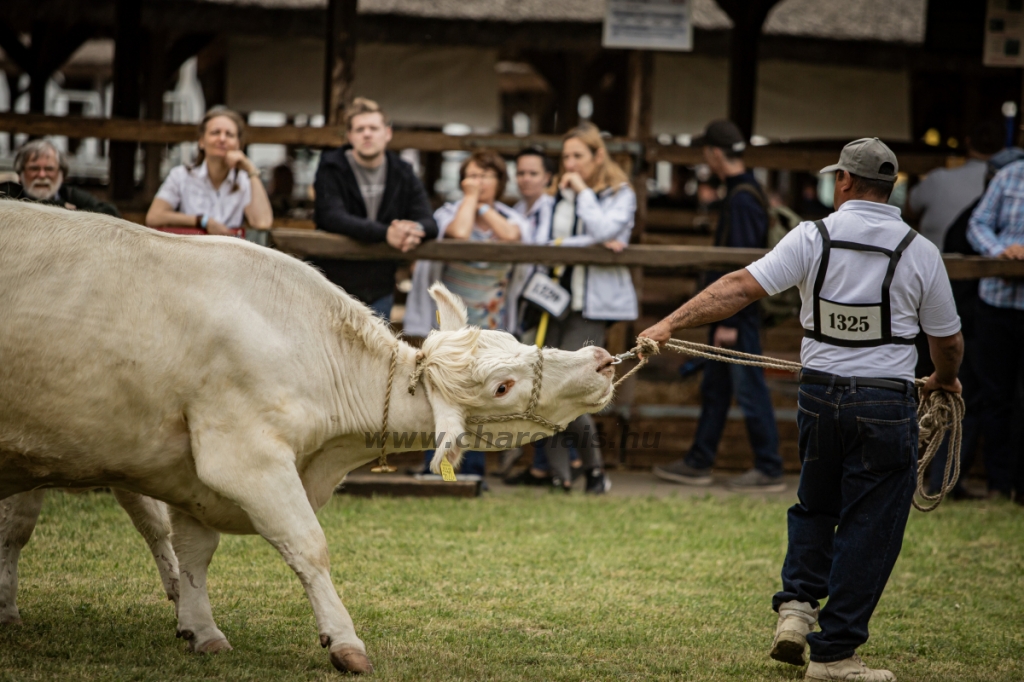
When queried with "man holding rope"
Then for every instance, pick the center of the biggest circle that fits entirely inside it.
(868, 286)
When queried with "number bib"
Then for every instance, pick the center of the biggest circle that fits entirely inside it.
(541, 290)
(851, 322)
(855, 325)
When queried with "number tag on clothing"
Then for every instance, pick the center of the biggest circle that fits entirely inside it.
(547, 294)
(851, 322)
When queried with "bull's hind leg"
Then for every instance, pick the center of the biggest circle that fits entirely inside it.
(262, 480)
(194, 544)
(18, 515)
(151, 519)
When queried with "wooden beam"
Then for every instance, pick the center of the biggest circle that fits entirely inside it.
(340, 54)
(307, 243)
(748, 17)
(784, 157)
(127, 94)
(778, 156)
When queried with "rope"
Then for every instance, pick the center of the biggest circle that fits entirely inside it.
(940, 413)
(382, 462)
(529, 414)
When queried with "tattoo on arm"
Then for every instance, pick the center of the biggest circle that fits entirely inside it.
(723, 298)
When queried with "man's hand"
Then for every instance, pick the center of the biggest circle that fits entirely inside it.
(1013, 252)
(574, 180)
(404, 235)
(725, 337)
(660, 332)
(933, 384)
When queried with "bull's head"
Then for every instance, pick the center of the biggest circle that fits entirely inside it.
(483, 385)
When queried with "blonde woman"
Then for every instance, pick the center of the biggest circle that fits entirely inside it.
(217, 192)
(594, 204)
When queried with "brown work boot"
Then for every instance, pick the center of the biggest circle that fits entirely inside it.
(796, 620)
(851, 668)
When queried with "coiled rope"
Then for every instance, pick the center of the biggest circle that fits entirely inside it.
(941, 413)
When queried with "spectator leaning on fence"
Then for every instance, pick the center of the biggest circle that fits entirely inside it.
(945, 192)
(743, 222)
(479, 216)
(368, 193)
(220, 189)
(997, 231)
(594, 205)
(42, 168)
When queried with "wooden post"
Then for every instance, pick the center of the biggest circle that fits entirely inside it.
(747, 19)
(638, 124)
(155, 82)
(340, 53)
(127, 58)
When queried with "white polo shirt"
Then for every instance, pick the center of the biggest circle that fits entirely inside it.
(920, 293)
(190, 191)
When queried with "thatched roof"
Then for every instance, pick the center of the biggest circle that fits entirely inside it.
(901, 21)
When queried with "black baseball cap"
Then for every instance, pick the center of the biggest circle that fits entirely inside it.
(722, 134)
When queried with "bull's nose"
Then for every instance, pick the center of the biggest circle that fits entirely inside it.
(604, 359)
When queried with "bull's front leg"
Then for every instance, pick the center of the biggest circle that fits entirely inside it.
(194, 545)
(263, 481)
(18, 516)
(151, 519)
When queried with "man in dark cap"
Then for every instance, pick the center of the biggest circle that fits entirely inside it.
(743, 223)
(869, 284)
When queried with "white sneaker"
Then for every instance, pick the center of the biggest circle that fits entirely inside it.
(796, 620)
(851, 668)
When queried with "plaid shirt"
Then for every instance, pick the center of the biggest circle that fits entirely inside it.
(996, 223)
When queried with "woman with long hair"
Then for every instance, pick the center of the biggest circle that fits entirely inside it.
(594, 204)
(219, 190)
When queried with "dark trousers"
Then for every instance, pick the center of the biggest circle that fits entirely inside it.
(716, 388)
(1000, 340)
(974, 398)
(382, 306)
(859, 452)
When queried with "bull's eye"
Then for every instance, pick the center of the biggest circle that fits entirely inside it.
(503, 388)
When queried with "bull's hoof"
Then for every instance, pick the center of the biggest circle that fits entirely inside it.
(10, 620)
(349, 659)
(213, 647)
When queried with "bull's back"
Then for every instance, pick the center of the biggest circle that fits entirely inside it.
(106, 332)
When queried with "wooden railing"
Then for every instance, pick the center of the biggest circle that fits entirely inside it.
(316, 244)
(775, 156)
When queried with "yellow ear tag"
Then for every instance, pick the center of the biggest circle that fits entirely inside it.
(438, 313)
(447, 472)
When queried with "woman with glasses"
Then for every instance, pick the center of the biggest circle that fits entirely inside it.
(480, 217)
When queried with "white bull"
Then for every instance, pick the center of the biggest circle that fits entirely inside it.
(235, 384)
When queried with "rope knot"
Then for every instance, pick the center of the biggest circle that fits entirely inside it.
(417, 372)
(647, 346)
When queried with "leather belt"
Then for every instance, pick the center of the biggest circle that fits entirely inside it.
(861, 382)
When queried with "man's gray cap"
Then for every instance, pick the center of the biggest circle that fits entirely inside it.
(867, 157)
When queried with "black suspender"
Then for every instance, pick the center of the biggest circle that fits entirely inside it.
(853, 324)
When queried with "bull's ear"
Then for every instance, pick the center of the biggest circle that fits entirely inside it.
(449, 425)
(450, 308)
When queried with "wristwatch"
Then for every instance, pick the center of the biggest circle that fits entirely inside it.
(202, 221)
(484, 208)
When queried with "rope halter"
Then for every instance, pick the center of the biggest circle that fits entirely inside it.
(530, 414)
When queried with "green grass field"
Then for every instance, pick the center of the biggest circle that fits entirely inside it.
(517, 587)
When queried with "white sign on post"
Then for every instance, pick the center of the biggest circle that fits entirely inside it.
(649, 25)
(1004, 33)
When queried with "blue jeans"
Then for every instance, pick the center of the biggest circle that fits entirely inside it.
(382, 306)
(716, 388)
(1000, 341)
(859, 452)
(473, 462)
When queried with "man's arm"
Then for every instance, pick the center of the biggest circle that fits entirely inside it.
(947, 352)
(85, 201)
(419, 209)
(726, 297)
(331, 215)
(981, 232)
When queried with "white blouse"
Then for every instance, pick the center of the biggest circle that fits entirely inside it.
(190, 191)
